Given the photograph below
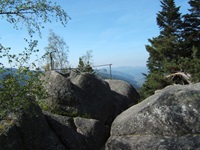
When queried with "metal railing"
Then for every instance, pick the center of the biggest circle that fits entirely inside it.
(75, 69)
(106, 65)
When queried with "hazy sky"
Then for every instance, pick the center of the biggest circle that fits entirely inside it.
(116, 31)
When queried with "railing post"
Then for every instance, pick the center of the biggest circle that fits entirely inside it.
(51, 60)
(110, 72)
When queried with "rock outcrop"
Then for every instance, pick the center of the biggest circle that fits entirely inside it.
(83, 94)
(93, 131)
(33, 130)
(65, 129)
(71, 94)
(124, 92)
(167, 120)
(78, 133)
(29, 130)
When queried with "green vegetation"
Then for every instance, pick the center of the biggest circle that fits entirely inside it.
(71, 114)
(4, 124)
(176, 49)
(82, 67)
(16, 88)
(85, 64)
(56, 53)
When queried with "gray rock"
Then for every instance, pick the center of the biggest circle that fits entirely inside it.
(65, 129)
(61, 92)
(171, 115)
(99, 97)
(94, 132)
(153, 142)
(11, 139)
(78, 133)
(29, 131)
(125, 91)
(83, 95)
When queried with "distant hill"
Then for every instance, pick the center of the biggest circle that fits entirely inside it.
(119, 76)
(136, 72)
(13, 71)
(133, 75)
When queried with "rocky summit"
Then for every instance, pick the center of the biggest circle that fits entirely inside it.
(81, 109)
(87, 113)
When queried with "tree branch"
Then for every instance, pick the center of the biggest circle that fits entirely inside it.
(16, 13)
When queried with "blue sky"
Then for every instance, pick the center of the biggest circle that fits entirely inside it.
(116, 31)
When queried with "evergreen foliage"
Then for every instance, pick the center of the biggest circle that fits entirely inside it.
(85, 64)
(191, 29)
(176, 49)
(82, 67)
(169, 19)
(191, 40)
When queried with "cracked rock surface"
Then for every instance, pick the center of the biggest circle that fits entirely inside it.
(167, 120)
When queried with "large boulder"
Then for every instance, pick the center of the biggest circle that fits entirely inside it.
(65, 129)
(82, 94)
(78, 133)
(64, 97)
(124, 91)
(167, 120)
(99, 96)
(93, 131)
(28, 130)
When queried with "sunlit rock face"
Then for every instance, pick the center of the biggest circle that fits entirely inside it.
(167, 120)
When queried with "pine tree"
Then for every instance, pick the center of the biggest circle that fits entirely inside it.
(88, 68)
(191, 29)
(169, 19)
(82, 67)
(164, 50)
(85, 64)
(191, 41)
(165, 47)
